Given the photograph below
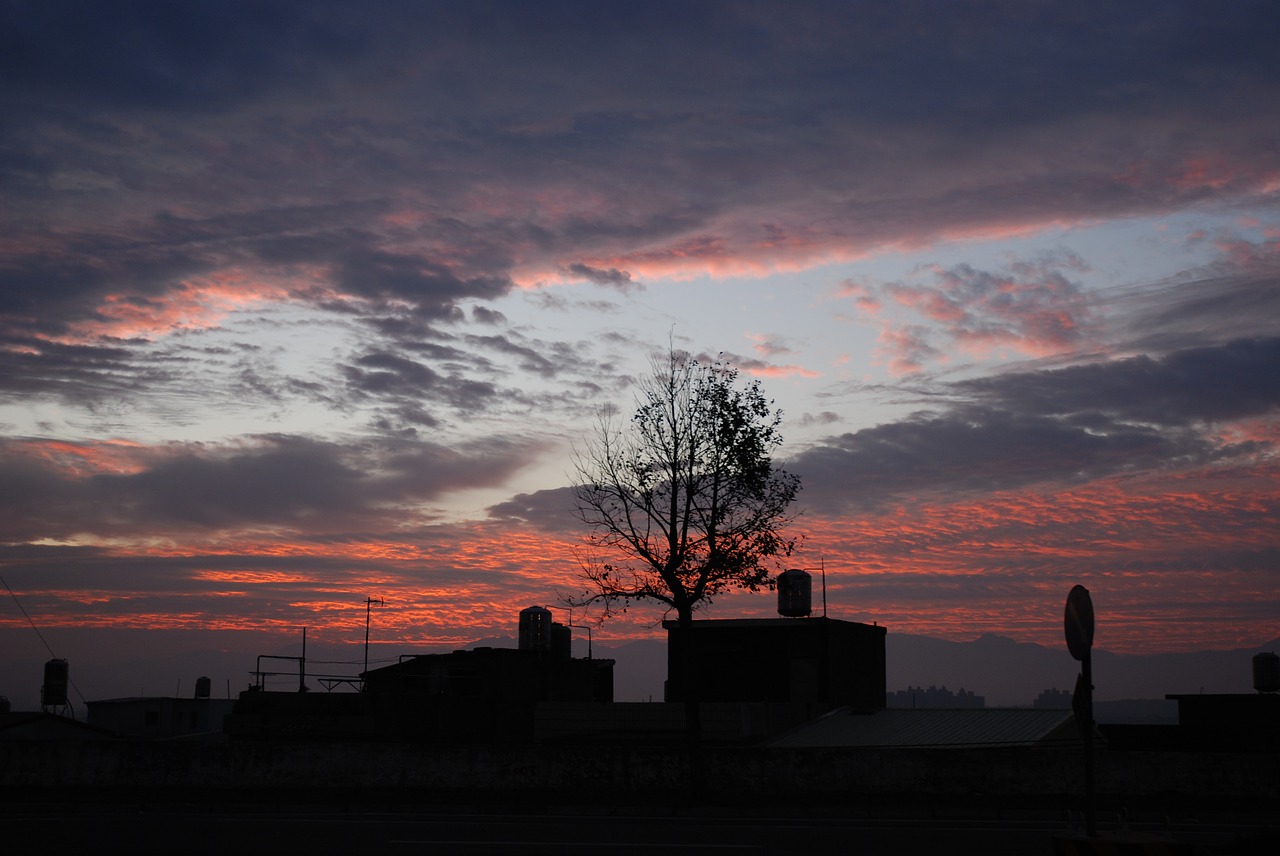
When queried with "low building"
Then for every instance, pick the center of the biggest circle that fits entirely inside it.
(821, 661)
(484, 694)
(265, 715)
(42, 725)
(159, 717)
(1236, 722)
(1214, 722)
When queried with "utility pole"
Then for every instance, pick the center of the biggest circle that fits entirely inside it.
(368, 608)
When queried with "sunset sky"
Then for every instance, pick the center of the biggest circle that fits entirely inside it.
(307, 302)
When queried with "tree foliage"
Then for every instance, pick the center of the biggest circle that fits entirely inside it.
(683, 502)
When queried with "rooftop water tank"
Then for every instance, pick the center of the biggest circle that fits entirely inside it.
(535, 629)
(794, 594)
(202, 687)
(54, 691)
(1266, 672)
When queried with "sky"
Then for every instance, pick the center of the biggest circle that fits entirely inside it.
(305, 303)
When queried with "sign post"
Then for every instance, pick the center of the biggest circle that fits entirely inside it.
(1078, 625)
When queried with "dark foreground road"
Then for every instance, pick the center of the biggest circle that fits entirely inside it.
(449, 832)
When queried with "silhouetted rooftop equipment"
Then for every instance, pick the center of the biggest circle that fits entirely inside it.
(56, 677)
(203, 686)
(561, 640)
(535, 629)
(1266, 672)
(795, 591)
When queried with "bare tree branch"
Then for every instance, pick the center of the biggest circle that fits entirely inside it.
(683, 502)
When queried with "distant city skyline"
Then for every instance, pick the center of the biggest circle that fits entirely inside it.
(302, 304)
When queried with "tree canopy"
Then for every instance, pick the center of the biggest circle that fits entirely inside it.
(684, 501)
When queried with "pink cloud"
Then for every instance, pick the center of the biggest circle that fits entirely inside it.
(905, 349)
(83, 459)
(1250, 256)
(782, 371)
(197, 304)
(1208, 172)
(1200, 173)
(862, 295)
(1031, 309)
(768, 347)
(763, 368)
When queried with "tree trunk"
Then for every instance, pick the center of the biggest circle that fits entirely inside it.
(692, 707)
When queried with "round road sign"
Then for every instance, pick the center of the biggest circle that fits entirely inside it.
(1078, 622)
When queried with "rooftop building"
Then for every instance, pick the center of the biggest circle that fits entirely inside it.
(822, 661)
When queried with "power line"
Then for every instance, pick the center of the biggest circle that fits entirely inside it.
(47, 646)
(28, 617)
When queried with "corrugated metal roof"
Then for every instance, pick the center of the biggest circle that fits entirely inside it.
(957, 728)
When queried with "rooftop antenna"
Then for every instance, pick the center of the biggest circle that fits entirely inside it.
(302, 666)
(822, 566)
(368, 608)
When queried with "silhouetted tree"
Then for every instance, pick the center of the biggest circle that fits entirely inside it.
(683, 502)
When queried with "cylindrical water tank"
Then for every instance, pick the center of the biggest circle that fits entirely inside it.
(56, 676)
(202, 687)
(794, 594)
(535, 629)
(1266, 672)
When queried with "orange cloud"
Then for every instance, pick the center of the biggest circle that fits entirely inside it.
(1160, 552)
(1174, 561)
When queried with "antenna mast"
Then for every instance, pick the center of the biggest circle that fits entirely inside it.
(368, 608)
(822, 565)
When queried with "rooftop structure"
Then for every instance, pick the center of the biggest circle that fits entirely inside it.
(782, 660)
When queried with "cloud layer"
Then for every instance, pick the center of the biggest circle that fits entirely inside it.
(301, 302)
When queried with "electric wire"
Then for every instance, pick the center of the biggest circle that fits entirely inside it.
(45, 642)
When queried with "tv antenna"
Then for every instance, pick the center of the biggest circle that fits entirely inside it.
(822, 569)
(369, 603)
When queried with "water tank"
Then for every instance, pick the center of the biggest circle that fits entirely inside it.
(1266, 672)
(202, 687)
(794, 594)
(535, 629)
(54, 691)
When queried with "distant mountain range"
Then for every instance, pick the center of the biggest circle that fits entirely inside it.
(1004, 671)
